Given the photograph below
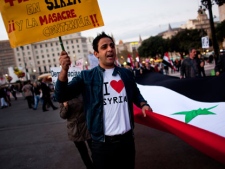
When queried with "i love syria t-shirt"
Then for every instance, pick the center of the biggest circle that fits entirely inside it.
(116, 116)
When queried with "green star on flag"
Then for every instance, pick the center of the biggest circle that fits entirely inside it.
(189, 115)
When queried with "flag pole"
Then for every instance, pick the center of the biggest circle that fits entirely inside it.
(61, 43)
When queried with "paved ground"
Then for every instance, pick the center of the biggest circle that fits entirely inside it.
(38, 140)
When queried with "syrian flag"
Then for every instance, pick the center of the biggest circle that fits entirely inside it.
(167, 61)
(192, 109)
(129, 60)
(137, 58)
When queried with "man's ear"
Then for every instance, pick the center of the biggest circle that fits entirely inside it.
(96, 54)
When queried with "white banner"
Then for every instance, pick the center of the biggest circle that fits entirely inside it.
(205, 42)
(73, 72)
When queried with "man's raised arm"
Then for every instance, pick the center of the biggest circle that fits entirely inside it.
(65, 62)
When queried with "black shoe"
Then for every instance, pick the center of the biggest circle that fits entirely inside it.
(55, 108)
(45, 110)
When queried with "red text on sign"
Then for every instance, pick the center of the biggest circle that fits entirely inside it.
(55, 17)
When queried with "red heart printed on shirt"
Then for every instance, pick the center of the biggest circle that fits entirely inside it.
(117, 86)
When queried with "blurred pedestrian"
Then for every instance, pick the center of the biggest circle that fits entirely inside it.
(28, 93)
(220, 66)
(13, 91)
(46, 95)
(73, 111)
(189, 66)
(2, 98)
(201, 66)
(37, 93)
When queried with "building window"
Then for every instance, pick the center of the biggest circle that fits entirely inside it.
(43, 61)
(37, 57)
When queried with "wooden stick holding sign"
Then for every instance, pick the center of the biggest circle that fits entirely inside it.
(61, 43)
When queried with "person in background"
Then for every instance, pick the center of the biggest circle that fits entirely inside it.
(138, 70)
(46, 95)
(220, 66)
(148, 68)
(27, 89)
(37, 92)
(189, 66)
(201, 65)
(109, 93)
(73, 111)
(13, 91)
(2, 98)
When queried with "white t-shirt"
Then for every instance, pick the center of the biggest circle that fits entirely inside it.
(116, 116)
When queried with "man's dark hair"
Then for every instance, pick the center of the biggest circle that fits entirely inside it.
(97, 39)
(190, 49)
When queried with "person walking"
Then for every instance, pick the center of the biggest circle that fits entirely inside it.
(37, 92)
(189, 66)
(27, 89)
(46, 96)
(220, 66)
(201, 66)
(109, 94)
(2, 98)
(13, 91)
(73, 111)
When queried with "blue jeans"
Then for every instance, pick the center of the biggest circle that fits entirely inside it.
(36, 101)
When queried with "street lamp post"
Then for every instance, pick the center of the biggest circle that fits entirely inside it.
(25, 67)
(208, 4)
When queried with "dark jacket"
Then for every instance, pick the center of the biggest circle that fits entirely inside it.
(76, 122)
(90, 83)
(220, 66)
(189, 68)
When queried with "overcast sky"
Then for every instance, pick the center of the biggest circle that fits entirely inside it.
(127, 19)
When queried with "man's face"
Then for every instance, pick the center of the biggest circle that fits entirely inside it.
(193, 53)
(106, 53)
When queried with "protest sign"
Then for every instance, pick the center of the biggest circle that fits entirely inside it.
(29, 21)
(72, 72)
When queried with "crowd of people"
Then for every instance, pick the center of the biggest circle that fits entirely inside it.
(33, 92)
(192, 65)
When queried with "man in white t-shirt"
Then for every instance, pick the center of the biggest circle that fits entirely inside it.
(109, 93)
